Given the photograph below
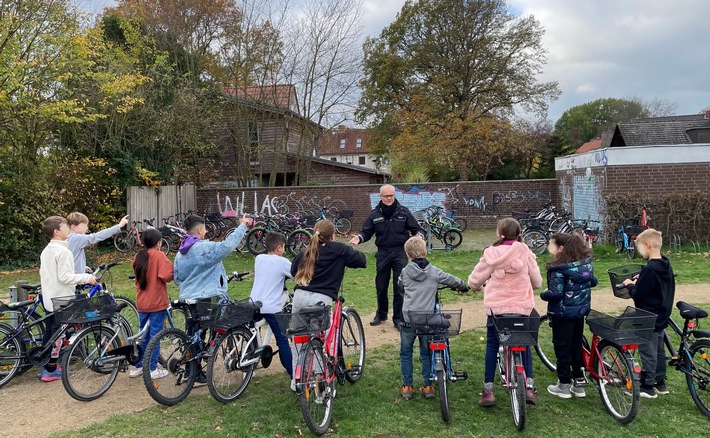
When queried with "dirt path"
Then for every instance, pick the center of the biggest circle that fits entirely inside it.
(30, 398)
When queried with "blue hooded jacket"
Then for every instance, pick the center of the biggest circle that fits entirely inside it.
(569, 289)
(198, 268)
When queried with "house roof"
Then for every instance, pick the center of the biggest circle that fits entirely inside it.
(658, 130)
(590, 145)
(330, 142)
(280, 95)
(343, 165)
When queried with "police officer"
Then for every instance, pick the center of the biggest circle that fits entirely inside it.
(392, 224)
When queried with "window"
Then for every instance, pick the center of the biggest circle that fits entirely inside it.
(342, 143)
(359, 143)
(362, 160)
(333, 158)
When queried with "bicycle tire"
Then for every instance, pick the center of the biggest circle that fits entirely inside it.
(315, 394)
(129, 314)
(452, 238)
(123, 242)
(165, 246)
(84, 376)
(536, 240)
(460, 223)
(11, 352)
(517, 394)
(179, 317)
(31, 337)
(173, 344)
(343, 225)
(616, 383)
(352, 345)
(255, 240)
(226, 380)
(298, 241)
(174, 239)
(544, 347)
(697, 377)
(631, 250)
(442, 381)
(619, 243)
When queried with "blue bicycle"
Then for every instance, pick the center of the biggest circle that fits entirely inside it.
(625, 240)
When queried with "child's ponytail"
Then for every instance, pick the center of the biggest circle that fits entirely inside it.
(323, 232)
(150, 238)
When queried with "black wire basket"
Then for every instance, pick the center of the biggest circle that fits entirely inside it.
(214, 315)
(619, 274)
(80, 309)
(517, 330)
(633, 327)
(444, 323)
(311, 320)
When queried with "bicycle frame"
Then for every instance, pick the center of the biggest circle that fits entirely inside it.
(440, 361)
(330, 348)
(508, 353)
(590, 354)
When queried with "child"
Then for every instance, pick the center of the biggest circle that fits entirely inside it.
(509, 271)
(198, 269)
(78, 239)
(270, 272)
(570, 279)
(653, 291)
(420, 280)
(153, 273)
(319, 270)
(56, 271)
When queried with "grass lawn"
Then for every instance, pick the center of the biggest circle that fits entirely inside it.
(373, 407)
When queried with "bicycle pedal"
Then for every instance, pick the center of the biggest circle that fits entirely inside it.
(459, 375)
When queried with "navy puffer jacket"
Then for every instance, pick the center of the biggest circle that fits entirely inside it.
(569, 289)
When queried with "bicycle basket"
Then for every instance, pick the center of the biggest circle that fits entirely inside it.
(346, 214)
(226, 316)
(310, 320)
(619, 274)
(633, 327)
(80, 309)
(517, 330)
(446, 323)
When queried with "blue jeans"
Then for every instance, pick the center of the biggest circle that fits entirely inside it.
(406, 350)
(492, 346)
(285, 355)
(157, 320)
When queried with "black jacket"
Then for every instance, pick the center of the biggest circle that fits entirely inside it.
(654, 290)
(392, 232)
(333, 258)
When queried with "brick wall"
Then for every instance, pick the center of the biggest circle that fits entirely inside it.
(481, 203)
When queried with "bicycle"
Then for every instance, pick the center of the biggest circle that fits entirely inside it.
(691, 357)
(324, 357)
(457, 222)
(131, 240)
(296, 239)
(438, 327)
(435, 221)
(515, 334)
(625, 240)
(341, 220)
(609, 360)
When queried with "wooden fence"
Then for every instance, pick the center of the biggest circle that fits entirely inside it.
(160, 202)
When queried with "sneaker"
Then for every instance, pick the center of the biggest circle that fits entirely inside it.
(647, 391)
(50, 377)
(560, 390)
(661, 388)
(39, 372)
(428, 392)
(378, 320)
(293, 385)
(201, 380)
(488, 398)
(578, 391)
(158, 373)
(136, 372)
(530, 395)
(407, 392)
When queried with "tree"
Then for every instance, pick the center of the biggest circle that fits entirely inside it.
(450, 74)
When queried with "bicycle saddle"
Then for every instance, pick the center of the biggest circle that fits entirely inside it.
(19, 304)
(311, 309)
(30, 286)
(120, 306)
(690, 312)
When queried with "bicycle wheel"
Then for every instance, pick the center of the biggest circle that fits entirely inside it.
(179, 316)
(619, 243)
(544, 348)
(174, 239)
(343, 225)
(517, 394)
(11, 352)
(87, 372)
(442, 380)
(175, 355)
(165, 246)
(255, 240)
(698, 375)
(536, 240)
(352, 345)
(315, 394)
(123, 242)
(297, 241)
(31, 337)
(461, 222)
(226, 379)
(452, 238)
(129, 314)
(631, 250)
(618, 389)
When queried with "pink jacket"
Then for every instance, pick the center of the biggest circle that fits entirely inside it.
(510, 273)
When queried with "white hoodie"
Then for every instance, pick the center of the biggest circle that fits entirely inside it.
(56, 272)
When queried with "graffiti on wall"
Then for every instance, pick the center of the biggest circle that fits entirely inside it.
(587, 201)
(415, 199)
(267, 204)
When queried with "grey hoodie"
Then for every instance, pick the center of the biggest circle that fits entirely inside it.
(420, 280)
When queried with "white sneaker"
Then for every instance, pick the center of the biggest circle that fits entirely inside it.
(135, 372)
(578, 391)
(293, 385)
(158, 373)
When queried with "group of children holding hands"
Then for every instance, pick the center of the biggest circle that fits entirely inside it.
(507, 273)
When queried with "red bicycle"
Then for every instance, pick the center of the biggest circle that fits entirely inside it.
(324, 357)
(131, 239)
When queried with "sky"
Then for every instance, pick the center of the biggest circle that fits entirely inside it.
(603, 48)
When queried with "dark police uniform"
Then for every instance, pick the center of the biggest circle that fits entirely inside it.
(390, 234)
